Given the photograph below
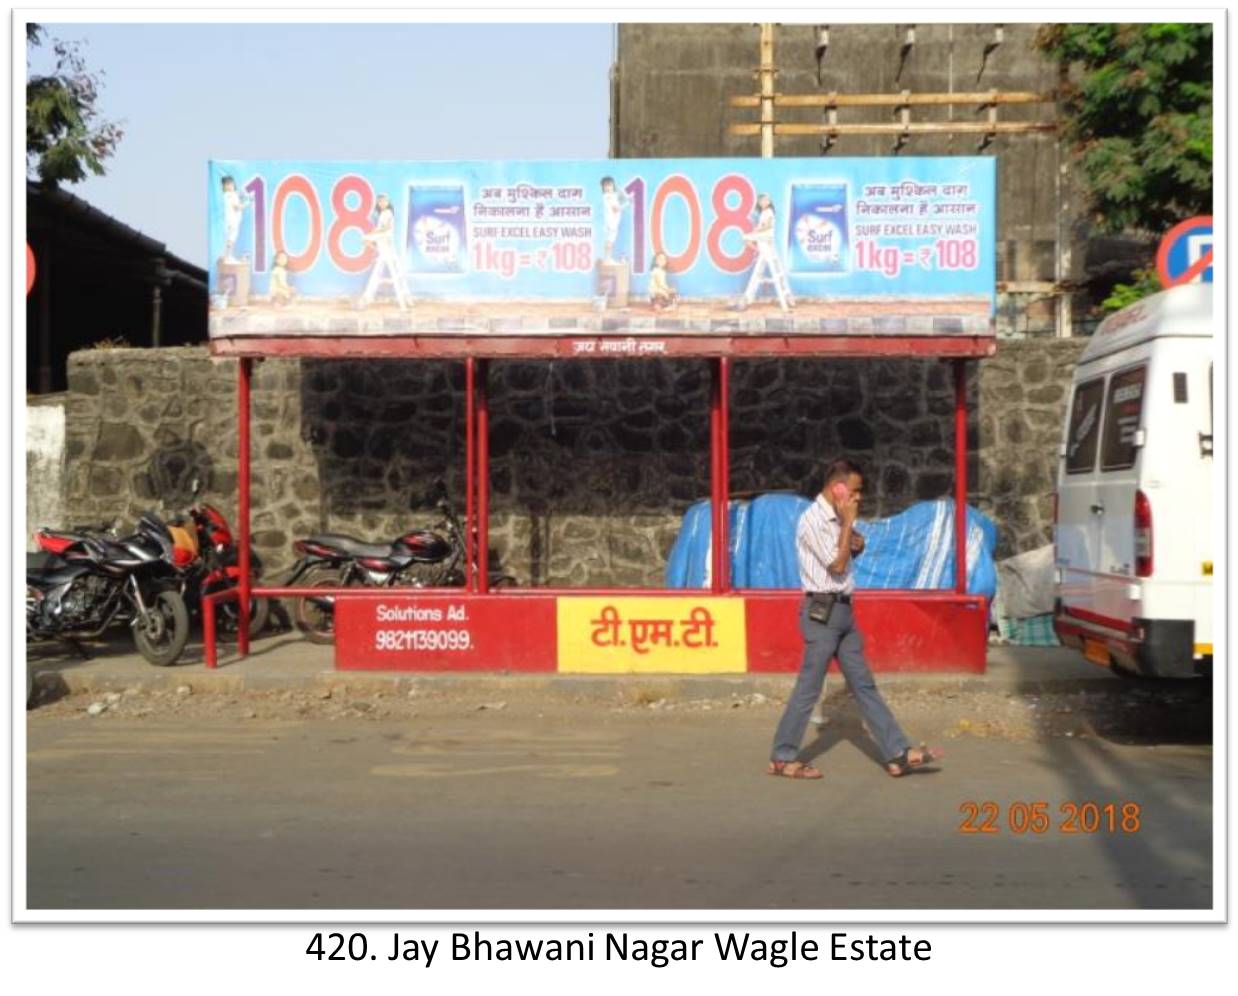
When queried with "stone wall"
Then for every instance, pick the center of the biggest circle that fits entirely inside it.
(592, 462)
(1023, 392)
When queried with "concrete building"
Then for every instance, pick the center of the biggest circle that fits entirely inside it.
(671, 84)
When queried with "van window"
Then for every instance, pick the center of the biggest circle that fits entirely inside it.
(1084, 427)
(1122, 418)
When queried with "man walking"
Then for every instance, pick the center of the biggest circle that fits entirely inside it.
(826, 543)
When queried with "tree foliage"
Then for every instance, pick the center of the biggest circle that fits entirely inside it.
(1143, 283)
(65, 137)
(1137, 107)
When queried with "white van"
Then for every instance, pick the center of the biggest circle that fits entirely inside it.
(1133, 518)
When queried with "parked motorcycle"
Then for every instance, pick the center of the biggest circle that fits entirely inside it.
(210, 562)
(85, 582)
(421, 558)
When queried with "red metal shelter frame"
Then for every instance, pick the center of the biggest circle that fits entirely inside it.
(906, 630)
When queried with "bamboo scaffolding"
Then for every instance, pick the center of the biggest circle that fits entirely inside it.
(985, 102)
(766, 99)
(980, 99)
(898, 128)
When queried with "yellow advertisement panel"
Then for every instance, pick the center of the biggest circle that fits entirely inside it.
(673, 635)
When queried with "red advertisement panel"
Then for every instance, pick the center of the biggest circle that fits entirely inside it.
(912, 631)
(445, 633)
(903, 631)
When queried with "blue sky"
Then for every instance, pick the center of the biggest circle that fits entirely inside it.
(190, 92)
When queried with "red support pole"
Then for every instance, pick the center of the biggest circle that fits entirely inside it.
(470, 471)
(960, 476)
(210, 643)
(242, 511)
(715, 474)
(724, 472)
(483, 478)
(210, 651)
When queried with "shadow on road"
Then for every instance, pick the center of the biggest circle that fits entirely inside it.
(1160, 720)
(845, 724)
(1148, 712)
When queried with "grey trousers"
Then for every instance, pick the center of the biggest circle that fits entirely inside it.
(821, 643)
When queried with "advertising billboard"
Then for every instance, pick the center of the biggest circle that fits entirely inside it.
(691, 245)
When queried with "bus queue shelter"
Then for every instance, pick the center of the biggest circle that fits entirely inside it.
(906, 630)
(926, 298)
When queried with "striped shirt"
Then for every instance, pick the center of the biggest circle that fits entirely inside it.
(816, 547)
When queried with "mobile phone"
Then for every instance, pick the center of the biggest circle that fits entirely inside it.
(839, 490)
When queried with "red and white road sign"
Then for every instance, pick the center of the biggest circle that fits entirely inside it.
(1185, 253)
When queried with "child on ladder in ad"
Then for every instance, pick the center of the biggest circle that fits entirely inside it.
(387, 268)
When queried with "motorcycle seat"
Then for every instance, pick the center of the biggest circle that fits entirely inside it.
(352, 546)
(106, 549)
(48, 570)
(384, 563)
(42, 561)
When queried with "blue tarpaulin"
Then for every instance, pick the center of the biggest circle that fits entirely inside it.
(688, 565)
(911, 550)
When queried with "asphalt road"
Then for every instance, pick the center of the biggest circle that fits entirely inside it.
(571, 806)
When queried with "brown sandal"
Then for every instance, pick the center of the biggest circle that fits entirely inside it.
(902, 764)
(793, 769)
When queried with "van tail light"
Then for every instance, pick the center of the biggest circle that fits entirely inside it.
(1143, 536)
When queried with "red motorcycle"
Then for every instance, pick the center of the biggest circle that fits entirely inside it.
(209, 559)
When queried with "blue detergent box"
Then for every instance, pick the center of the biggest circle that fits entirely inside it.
(817, 236)
(436, 228)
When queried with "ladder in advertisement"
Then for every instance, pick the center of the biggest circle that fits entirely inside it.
(769, 263)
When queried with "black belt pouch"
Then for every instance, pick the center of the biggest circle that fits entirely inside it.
(820, 605)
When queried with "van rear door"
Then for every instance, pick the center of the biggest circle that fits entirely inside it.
(1200, 565)
(1078, 523)
(1120, 450)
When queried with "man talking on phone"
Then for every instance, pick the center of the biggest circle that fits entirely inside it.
(826, 543)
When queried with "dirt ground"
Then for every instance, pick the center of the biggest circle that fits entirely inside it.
(1129, 711)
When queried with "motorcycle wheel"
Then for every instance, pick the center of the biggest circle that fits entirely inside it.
(228, 621)
(316, 621)
(162, 631)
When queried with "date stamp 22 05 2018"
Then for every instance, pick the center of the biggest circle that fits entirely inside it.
(1036, 817)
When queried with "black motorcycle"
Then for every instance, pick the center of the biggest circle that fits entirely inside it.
(97, 581)
(422, 558)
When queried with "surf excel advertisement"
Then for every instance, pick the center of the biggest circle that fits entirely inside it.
(390, 248)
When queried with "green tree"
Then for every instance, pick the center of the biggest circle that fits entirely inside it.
(1137, 108)
(65, 137)
(1145, 283)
